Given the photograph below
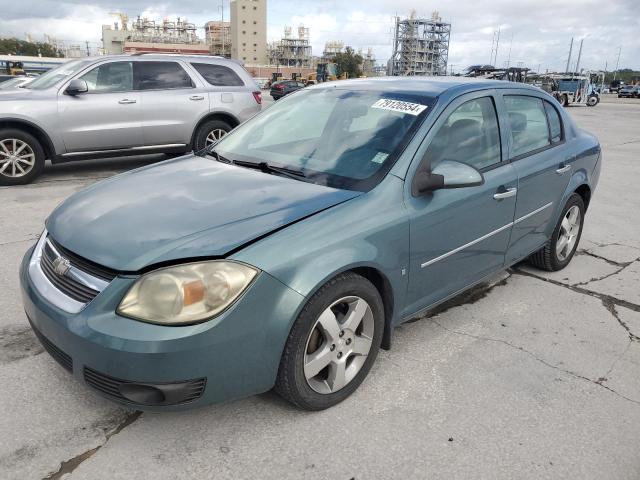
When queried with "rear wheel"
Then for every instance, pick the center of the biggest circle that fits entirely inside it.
(592, 101)
(21, 157)
(332, 344)
(209, 133)
(564, 100)
(559, 250)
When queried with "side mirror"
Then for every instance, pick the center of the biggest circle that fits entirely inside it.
(447, 174)
(76, 87)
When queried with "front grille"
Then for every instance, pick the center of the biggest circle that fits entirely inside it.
(110, 386)
(57, 354)
(67, 285)
(83, 264)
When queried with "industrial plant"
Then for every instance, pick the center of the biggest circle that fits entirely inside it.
(420, 46)
(292, 51)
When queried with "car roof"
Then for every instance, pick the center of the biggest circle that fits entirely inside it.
(166, 56)
(426, 86)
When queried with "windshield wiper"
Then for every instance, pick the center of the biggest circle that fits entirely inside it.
(268, 168)
(212, 152)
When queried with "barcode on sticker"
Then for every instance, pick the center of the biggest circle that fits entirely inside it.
(399, 106)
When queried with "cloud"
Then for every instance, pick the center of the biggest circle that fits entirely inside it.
(541, 30)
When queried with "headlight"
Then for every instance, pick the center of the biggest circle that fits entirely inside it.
(186, 293)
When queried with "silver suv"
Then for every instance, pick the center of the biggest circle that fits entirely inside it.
(121, 105)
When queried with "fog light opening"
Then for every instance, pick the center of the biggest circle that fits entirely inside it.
(142, 394)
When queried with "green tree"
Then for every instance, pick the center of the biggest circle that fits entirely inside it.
(350, 62)
(14, 46)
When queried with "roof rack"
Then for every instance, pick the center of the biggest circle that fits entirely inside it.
(138, 54)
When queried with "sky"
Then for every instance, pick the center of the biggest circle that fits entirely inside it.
(533, 33)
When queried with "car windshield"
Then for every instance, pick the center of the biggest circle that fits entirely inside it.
(335, 137)
(58, 74)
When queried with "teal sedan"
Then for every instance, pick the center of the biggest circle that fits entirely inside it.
(284, 255)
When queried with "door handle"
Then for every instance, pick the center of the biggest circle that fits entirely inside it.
(196, 97)
(126, 101)
(563, 169)
(509, 192)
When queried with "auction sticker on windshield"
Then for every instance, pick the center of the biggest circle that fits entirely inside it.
(399, 106)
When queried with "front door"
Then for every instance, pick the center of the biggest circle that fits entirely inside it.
(543, 163)
(459, 236)
(107, 116)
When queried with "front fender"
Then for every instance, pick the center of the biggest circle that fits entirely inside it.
(370, 231)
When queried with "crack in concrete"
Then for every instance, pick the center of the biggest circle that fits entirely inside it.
(610, 262)
(597, 279)
(608, 301)
(605, 377)
(70, 465)
(34, 236)
(538, 359)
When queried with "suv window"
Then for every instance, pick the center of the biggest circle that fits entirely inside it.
(218, 75)
(469, 135)
(160, 76)
(110, 77)
(528, 121)
(555, 124)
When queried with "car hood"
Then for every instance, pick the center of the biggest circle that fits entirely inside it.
(182, 209)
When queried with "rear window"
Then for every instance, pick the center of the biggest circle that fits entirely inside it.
(218, 75)
(555, 124)
(160, 76)
(528, 120)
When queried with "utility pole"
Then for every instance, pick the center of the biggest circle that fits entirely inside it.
(579, 55)
(88, 51)
(569, 58)
(510, 46)
(495, 58)
(617, 63)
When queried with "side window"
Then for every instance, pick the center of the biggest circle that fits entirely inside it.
(469, 135)
(160, 76)
(110, 77)
(528, 121)
(555, 123)
(218, 75)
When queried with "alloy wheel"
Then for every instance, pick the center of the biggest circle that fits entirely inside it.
(17, 158)
(568, 234)
(338, 344)
(214, 135)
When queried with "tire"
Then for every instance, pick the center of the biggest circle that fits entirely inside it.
(592, 101)
(31, 157)
(308, 339)
(564, 100)
(209, 132)
(548, 258)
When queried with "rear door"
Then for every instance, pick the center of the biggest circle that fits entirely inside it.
(459, 236)
(543, 161)
(107, 116)
(172, 102)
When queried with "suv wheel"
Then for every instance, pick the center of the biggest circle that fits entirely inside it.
(21, 157)
(209, 133)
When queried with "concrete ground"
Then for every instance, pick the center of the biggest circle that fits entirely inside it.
(535, 377)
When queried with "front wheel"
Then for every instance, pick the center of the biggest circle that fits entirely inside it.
(592, 101)
(21, 157)
(559, 250)
(209, 133)
(332, 344)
